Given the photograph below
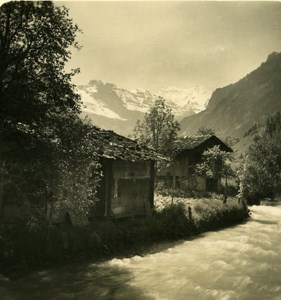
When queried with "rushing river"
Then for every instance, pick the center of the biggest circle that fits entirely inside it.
(242, 262)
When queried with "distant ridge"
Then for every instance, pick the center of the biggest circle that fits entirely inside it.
(234, 109)
(114, 108)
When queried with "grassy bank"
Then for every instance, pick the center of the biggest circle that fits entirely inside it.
(208, 213)
(172, 220)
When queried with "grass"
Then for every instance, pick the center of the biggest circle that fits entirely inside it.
(172, 220)
(208, 213)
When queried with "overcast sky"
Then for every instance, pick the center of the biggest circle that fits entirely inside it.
(154, 45)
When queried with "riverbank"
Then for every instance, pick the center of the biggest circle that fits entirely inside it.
(174, 219)
(209, 213)
(239, 262)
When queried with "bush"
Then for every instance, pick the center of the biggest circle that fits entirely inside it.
(25, 246)
(261, 174)
(173, 222)
(214, 214)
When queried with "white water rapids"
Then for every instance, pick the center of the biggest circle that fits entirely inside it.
(242, 262)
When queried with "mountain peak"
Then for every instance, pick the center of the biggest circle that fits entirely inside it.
(98, 84)
(195, 98)
(118, 109)
(233, 109)
(274, 55)
(95, 83)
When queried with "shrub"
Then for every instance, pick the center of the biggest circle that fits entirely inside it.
(214, 214)
(22, 245)
(174, 222)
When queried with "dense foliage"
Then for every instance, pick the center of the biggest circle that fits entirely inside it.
(261, 174)
(34, 46)
(46, 155)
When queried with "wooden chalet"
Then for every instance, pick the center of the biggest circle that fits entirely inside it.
(189, 153)
(127, 183)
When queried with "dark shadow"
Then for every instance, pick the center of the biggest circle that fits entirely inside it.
(83, 281)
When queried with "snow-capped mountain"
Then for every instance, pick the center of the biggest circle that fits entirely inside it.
(195, 98)
(111, 107)
(94, 106)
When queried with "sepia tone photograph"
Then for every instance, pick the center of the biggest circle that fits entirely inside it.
(140, 150)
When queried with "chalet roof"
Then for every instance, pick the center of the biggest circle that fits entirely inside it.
(199, 141)
(114, 146)
(191, 142)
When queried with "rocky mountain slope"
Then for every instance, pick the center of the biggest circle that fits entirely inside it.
(111, 107)
(234, 109)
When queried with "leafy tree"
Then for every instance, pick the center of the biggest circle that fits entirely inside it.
(261, 173)
(76, 174)
(34, 46)
(45, 148)
(216, 164)
(158, 129)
